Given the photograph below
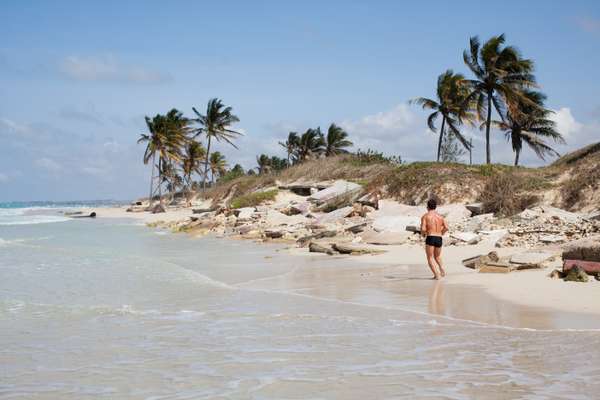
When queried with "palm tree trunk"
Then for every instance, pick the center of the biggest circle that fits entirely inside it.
(517, 153)
(160, 163)
(439, 149)
(488, 122)
(151, 181)
(206, 165)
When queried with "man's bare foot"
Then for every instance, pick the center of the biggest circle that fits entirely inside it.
(435, 278)
(443, 272)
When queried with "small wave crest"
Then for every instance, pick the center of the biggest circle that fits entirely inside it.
(28, 216)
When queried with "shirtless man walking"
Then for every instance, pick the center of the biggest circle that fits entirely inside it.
(433, 226)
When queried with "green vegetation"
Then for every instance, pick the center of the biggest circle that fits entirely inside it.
(253, 199)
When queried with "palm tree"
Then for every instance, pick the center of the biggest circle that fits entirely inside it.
(500, 76)
(336, 141)
(530, 124)
(290, 145)
(451, 93)
(310, 144)
(264, 164)
(217, 164)
(168, 134)
(192, 162)
(215, 125)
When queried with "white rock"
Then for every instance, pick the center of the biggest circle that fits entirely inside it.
(335, 215)
(552, 238)
(394, 223)
(245, 212)
(531, 257)
(468, 237)
(338, 189)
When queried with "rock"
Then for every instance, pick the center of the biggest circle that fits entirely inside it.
(454, 212)
(273, 234)
(300, 208)
(413, 228)
(548, 239)
(475, 208)
(276, 218)
(317, 248)
(478, 261)
(244, 213)
(345, 248)
(493, 236)
(201, 210)
(585, 249)
(158, 208)
(336, 215)
(385, 238)
(533, 259)
(320, 235)
(336, 191)
(467, 237)
(594, 216)
(497, 268)
(370, 199)
(396, 224)
(576, 274)
(556, 274)
(357, 228)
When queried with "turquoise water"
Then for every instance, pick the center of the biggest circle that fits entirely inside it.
(110, 309)
(39, 212)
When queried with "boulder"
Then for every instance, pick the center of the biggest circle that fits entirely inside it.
(336, 191)
(335, 216)
(354, 249)
(300, 208)
(467, 237)
(370, 199)
(320, 235)
(357, 228)
(317, 248)
(585, 250)
(576, 274)
(273, 234)
(475, 208)
(385, 238)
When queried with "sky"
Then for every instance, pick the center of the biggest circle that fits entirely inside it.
(77, 78)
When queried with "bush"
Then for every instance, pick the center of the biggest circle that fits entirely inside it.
(505, 194)
(573, 188)
(253, 199)
(372, 157)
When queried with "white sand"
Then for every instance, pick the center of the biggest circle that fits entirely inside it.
(145, 217)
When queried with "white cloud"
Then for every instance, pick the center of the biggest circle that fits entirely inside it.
(566, 123)
(48, 164)
(107, 68)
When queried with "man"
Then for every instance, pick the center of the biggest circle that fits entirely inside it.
(433, 226)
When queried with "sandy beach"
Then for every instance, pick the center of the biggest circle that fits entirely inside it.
(464, 293)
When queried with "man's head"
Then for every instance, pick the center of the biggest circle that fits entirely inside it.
(431, 204)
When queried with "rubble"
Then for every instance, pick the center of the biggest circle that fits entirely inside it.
(336, 191)
(478, 261)
(336, 215)
(576, 274)
(475, 208)
(317, 248)
(345, 248)
(385, 238)
(467, 237)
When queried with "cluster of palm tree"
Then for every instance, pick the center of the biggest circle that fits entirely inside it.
(175, 149)
(314, 144)
(502, 81)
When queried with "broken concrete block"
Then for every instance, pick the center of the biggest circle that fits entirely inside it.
(496, 268)
(357, 228)
(394, 223)
(339, 189)
(591, 267)
(467, 237)
(532, 258)
(335, 216)
(585, 249)
(244, 213)
(273, 234)
(549, 239)
(346, 248)
(478, 261)
(385, 238)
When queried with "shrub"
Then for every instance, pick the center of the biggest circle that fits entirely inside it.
(505, 194)
(253, 199)
(372, 157)
(573, 188)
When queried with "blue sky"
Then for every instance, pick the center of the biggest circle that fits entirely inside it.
(77, 78)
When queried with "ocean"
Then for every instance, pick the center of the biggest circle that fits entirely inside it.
(111, 309)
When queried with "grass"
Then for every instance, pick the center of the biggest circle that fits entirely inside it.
(253, 199)
(508, 193)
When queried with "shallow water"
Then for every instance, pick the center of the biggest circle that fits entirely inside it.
(110, 309)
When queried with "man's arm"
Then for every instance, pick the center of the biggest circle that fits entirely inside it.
(444, 226)
(423, 226)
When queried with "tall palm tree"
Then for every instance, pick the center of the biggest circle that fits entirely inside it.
(310, 144)
(500, 76)
(192, 162)
(217, 164)
(264, 164)
(215, 125)
(529, 122)
(290, 145)
(451, 94)
(167, 135)
(336, 141)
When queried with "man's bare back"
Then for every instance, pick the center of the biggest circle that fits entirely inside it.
(433, 227)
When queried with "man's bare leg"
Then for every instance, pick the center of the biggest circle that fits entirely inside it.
(437, 253)
(431, 261)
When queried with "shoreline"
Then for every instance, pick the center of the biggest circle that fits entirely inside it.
(524, 299)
